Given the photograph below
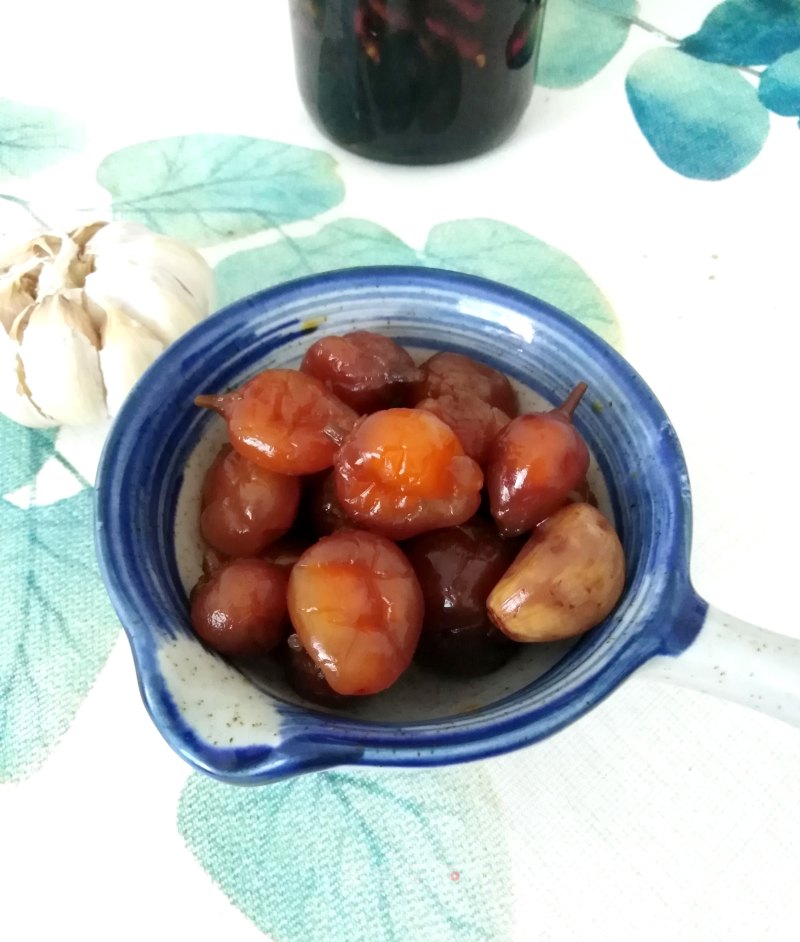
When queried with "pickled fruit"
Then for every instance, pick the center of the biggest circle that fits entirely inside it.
(212, 560)
(403, 472)
(567, 578)
(365, 370)
(453, 374)
(475, 422)
(457, 568)
(583, 494)
(356, 605)
(469, 650)
(298, 512)
(534, 463)
(241, 608)
(245, 507)
(306, 679)
(284, 421)
(285, 552)
(324, 512)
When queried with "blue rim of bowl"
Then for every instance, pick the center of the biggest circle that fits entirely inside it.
(314, 740)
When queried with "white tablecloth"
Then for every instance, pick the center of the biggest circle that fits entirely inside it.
(664, 814)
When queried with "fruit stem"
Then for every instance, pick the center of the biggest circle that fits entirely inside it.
(211, 402)
(569, 405)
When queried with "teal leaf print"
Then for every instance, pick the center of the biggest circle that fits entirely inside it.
(703, 120)
(580, 37)
(208, 188)
(357, 857)
(33, 138)
(747, 32)
(58, 627)
(25, 451)
(483, 247)
(341, 244)
(504, 253)
(779, 88)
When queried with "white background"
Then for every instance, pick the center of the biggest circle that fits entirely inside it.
(664, 814)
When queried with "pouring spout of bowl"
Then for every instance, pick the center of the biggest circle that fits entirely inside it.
(264, 766)
(740, 662)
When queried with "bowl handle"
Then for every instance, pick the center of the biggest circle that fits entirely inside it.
(740, 662)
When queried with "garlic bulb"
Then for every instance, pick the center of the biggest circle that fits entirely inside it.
(84, 313)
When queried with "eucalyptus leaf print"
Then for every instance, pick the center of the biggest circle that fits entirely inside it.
(505, 253)
(341, 244)
(25, 451)
(58, 626)
(690, 97)
(208, 188)
(702, 119)
(357, 857)
(779, 88)
(747, 32)
(33, 138)
(580, 38)
(485, 247)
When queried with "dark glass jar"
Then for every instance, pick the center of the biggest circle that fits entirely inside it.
(416, 81)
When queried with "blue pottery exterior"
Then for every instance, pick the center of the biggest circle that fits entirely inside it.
(150, 443)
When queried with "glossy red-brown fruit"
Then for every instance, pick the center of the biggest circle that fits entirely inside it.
(323, 511)
(475, 422)
(212, 560)
(457, 568)
(365, 370)
(285, 421)
(356, 605)
(453, 374)
(241, 608)
(244, 508)
(306, 679)
(534, 464)
(285, 552)
(403, 472)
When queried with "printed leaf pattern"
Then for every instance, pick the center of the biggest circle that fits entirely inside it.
(346, 242)
(484, 247)
(702, 123)
(703, 120)
(747, 32)
(58, 626)
(33, 138)
(368, 857)
(208, 188)
(507, 254)
(580, 38)
(24, 453)
(779, 88)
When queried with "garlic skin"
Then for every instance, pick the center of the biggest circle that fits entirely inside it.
(84, 313)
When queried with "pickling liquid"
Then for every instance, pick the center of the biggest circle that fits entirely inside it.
(416, 81)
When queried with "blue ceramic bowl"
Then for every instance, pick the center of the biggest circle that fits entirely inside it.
(244, 725)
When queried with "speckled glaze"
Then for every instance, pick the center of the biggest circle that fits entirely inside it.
(737, 661)
(241, 723)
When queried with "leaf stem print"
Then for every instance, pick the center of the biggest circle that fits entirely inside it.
(34, 138)
(23, 204)
(210, 188)
(690, 97)
(69, 466)
(60, 629)
(672, 40)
